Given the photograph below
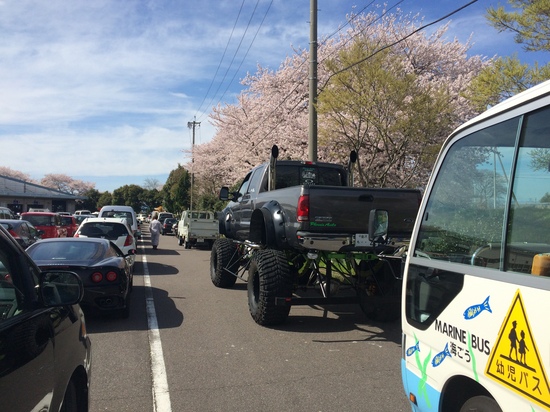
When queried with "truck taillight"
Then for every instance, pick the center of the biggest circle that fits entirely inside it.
(302, 211)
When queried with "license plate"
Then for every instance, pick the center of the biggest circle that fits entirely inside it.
(362, 239)
(200, 240)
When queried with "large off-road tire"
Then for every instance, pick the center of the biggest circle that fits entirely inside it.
(269, 277)
(381, 300)
(222, 257)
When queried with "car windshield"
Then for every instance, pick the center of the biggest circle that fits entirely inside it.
(108, 230)
(120, 215)
(66, 220)
(40, 220)
(59, 251)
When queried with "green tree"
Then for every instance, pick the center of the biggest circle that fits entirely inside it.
(104, 199)
(91, 201)
(150, 199)
(177, 189)
(530, 23)
(129, 195)
(507, 76)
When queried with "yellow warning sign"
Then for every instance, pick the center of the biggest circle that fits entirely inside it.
(514, 360)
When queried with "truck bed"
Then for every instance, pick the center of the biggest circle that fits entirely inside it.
(346, 209)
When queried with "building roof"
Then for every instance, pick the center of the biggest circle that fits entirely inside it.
(10, 187)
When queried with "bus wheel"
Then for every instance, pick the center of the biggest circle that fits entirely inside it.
(480, 404)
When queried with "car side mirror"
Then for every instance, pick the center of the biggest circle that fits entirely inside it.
(60, 288)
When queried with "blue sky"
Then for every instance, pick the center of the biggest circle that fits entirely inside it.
(103, 90)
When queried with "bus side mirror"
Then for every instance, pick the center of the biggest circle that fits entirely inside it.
(378, 223)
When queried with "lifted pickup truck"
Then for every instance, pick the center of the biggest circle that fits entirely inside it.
(295, 226)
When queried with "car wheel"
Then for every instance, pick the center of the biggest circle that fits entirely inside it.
(481, 404)
(70, 399)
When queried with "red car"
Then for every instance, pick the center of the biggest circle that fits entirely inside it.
(69, 222)
(47, 222)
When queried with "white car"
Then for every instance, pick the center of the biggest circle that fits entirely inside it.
(116, 230)
(121, 211)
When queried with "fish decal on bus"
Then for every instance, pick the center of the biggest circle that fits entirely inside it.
(413, 349)
(440, 357)
(475, 310)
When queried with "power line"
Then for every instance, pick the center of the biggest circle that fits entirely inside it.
(359, 62)
(398, 41)
(234, 54)
(223, 56)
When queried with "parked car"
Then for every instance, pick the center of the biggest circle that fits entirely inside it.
(126, 212)
(82, 212)
(45, 353)
(164, 215)
(6, 213)
(70, 224)
(22, 231)
(101, 265)
(167, 225)
(116, 230)
(80, 218)
(48, 222)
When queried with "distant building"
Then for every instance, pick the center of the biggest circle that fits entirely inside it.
(20, 196)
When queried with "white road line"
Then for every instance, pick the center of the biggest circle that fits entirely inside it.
(161, 394)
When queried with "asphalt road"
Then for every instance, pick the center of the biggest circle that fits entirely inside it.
(205, 353)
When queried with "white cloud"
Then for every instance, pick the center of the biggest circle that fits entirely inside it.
(106, 88)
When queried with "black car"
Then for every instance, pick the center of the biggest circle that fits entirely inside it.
(101, 265)
(45, 353)
(167, 225)
(22, 231)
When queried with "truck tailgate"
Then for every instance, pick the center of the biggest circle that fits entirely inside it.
(334, 209)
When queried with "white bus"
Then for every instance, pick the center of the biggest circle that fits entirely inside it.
(476, 287)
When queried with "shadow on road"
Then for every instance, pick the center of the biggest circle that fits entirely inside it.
(156, 269)
(171, 317)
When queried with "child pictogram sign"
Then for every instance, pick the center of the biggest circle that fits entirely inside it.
(515, 361)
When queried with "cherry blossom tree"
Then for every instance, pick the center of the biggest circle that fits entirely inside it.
(394, 105)
(9, 172)
(391, 95)
(67, 184)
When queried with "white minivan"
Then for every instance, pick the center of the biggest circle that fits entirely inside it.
(121, 211)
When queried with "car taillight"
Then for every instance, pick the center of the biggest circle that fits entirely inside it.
(302, 211)
(129, 240)
(111, 276)
(97, 277)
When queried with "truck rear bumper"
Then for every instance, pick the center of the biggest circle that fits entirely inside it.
(327, 242)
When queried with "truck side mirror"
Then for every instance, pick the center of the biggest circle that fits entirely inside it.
(224, 193)
(378, 223)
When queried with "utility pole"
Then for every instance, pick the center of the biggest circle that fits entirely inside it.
(312, 137)
(192, 125)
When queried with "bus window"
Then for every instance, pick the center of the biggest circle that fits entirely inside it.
(465, 212)
(529, 228)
